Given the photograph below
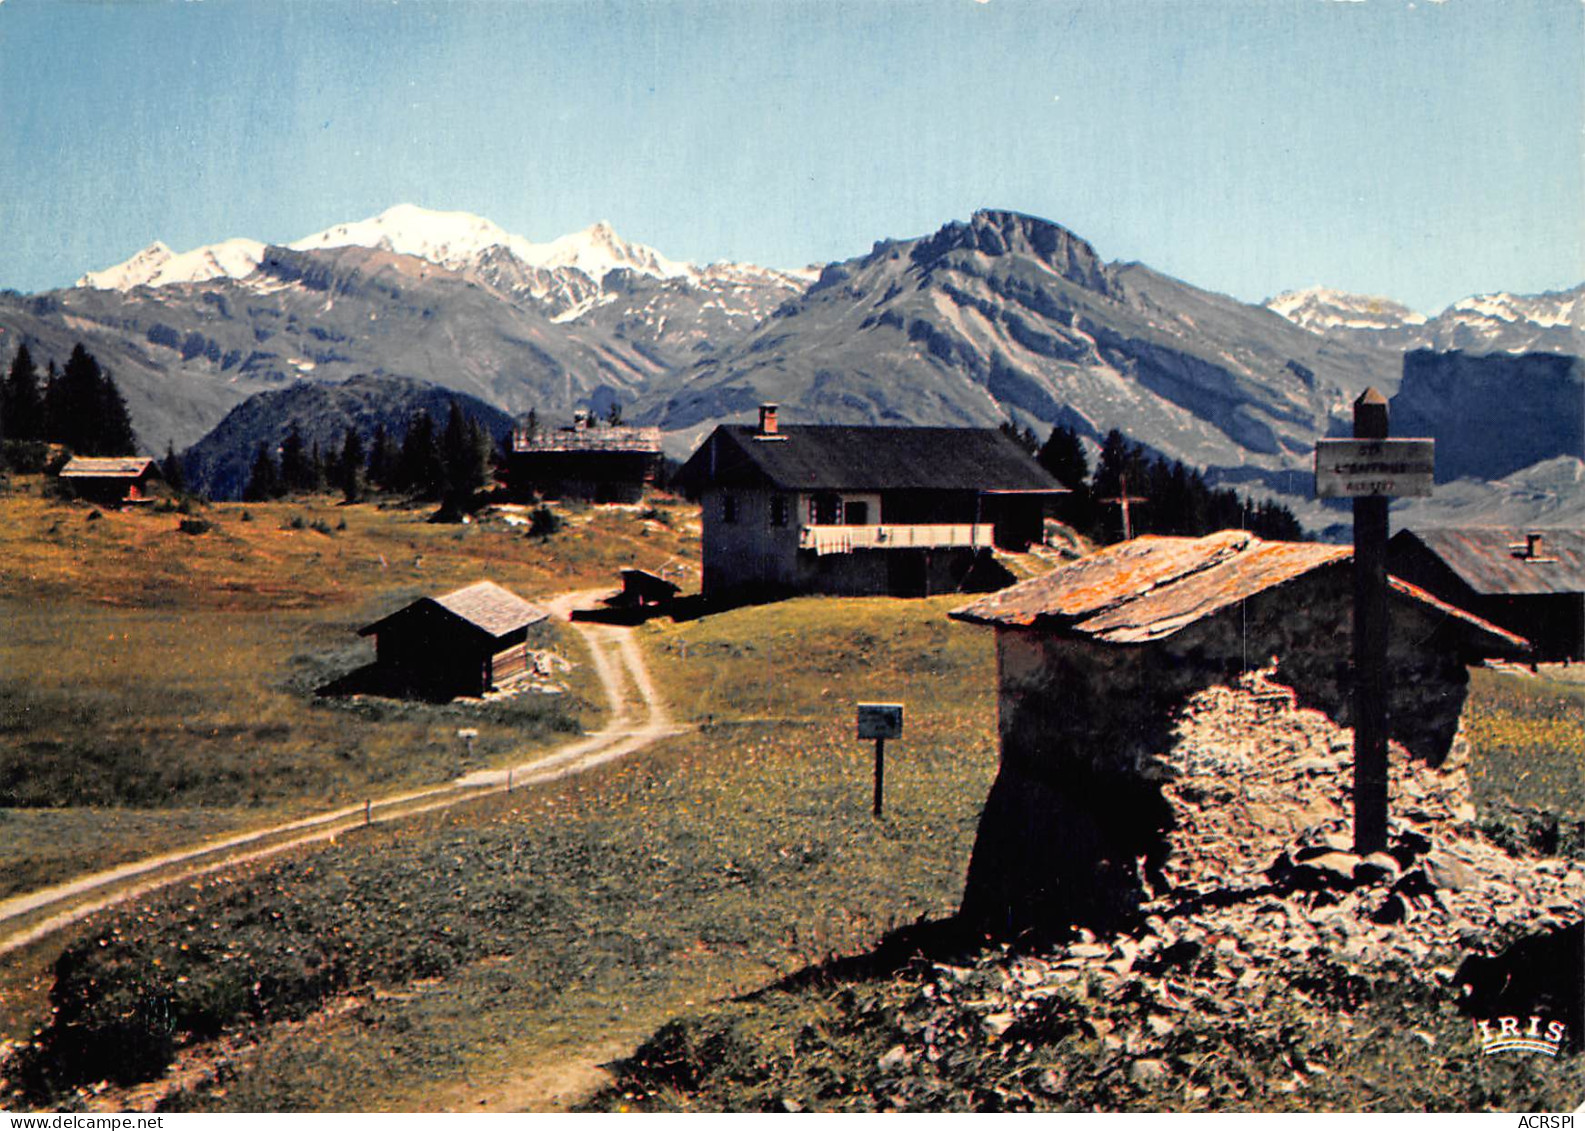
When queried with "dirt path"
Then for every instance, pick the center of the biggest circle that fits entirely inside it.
(638, 718)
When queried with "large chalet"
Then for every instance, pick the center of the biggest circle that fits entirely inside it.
(860, 510)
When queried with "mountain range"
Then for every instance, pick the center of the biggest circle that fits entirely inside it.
(1001, 316)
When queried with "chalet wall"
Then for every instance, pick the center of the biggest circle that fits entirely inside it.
(748, 552)
(1076, 821)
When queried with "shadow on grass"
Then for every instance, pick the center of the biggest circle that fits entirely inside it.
(373, 679)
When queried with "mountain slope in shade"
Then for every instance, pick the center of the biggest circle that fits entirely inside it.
(1009, 314)
(1553, 322)
(220, 463)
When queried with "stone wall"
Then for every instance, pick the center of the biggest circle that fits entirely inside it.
(1078, 827)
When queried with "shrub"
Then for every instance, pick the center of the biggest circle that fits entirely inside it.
(247, 516)
(320, 526)
(543, 522)
(194, 526)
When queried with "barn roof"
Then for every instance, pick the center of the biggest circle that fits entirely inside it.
(840, 457)
(484, 605)
(96, 467)
(1149, 588)
(1497, 560)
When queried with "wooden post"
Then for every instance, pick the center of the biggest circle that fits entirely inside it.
(509, 779)
(880, 773)
(1370, 644)
(368, 812)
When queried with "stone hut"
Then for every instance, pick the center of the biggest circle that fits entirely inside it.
(1102, 661)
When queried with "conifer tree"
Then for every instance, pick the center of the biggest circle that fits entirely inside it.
(21, 401)
(171, 468)
(419, 467)
(383, 456)
(349, 467)
(297, 469)
(264, 481)
(84, 410)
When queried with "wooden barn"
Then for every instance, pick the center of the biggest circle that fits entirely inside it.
(1530, 581)
(1096, 662)
(461, 643)
(856, 511)
(603, 463)
(110, 481)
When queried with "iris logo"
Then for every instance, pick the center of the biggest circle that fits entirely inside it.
(1520, 1034)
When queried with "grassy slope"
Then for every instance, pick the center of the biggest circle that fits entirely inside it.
(156, 687)
(579, 916)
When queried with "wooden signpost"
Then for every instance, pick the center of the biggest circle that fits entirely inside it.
(880, 721)
(1371, 468)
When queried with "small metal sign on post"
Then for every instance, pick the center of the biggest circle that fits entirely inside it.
(880, 721)
(1370, 469)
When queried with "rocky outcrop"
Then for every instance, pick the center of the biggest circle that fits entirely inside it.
(1492, 414)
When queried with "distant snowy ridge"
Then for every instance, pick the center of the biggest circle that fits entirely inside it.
(156, 266)
(460, 241)
(1498, 322)
(1321, 309)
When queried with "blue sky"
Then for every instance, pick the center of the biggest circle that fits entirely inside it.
(1422, 150)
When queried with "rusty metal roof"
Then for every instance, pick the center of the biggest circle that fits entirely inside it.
(1149, 588)
(98, 467)
(484, 604)
(1497, 560)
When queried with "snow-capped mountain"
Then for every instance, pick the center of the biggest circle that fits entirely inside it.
(1492, 323)
(460, 241)
(157, 266)
(1322, 309)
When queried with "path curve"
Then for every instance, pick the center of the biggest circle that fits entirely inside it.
(638, 718)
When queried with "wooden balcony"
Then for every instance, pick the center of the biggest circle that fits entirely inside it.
(846, 539)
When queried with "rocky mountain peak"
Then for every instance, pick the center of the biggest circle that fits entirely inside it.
(997, 233)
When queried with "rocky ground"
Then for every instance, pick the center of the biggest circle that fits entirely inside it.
(1273, 968)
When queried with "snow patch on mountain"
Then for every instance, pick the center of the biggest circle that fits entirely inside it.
(1321, 309)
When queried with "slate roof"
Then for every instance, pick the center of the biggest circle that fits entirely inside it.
(1492, 562)
(839, 457)
(99, 467)
(484, 605)
(1151, 587)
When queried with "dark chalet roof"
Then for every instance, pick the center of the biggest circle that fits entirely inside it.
(1151, 587)
(483, 605)
(108, 467)
(838, 457)
(1495, 560)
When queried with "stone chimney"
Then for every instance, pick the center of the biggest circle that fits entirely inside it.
(767, 420)
(1534, 547)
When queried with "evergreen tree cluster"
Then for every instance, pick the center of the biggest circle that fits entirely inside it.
(450, 464)
(78, 407)
(1169, 498)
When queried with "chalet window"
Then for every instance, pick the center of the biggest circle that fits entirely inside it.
(826, 510)
(728, 508)
(856, 513)
(778, 510)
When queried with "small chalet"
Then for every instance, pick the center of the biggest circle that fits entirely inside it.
(603, 463)
(1529, 581)
(1098, 661)
(113, 481)
(462, 643)
(860, 510)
